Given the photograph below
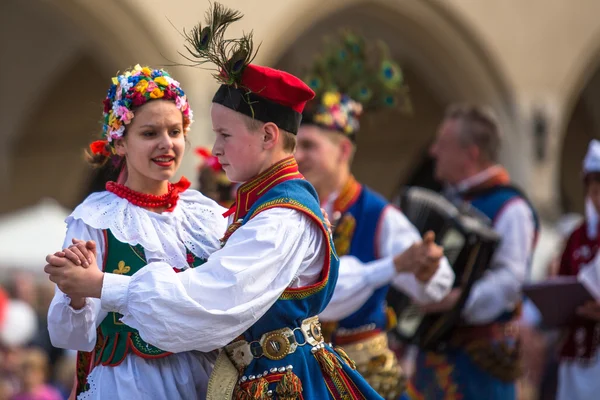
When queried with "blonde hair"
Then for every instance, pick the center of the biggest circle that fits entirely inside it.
(288, 138)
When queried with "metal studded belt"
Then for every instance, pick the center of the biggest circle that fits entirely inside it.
(364, 351)
(275, 345)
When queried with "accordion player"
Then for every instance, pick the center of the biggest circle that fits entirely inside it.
(469, 243)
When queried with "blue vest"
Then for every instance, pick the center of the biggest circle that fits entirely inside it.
(367, 211)
(293, 306)
(490, 202)
(462, 376)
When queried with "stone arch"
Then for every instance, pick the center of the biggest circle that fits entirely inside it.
(579, 123)
(582, 126)
(61, 53)
(443, 63)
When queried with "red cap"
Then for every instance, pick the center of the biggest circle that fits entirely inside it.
(269, 95)
(278, 86)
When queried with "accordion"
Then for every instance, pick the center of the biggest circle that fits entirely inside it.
(469, 242)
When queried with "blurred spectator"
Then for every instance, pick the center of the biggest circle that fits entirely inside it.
(33, 374)
(64, 373)
(44, 295)
(565, 226)
(212, 180)
(579, 360)
(18, 325)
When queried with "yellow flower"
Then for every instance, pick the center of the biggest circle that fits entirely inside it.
(331, 98)
(157, 94)
(348, 129)
(112, 119)
(115, 80)
(161, 81)
(146, 71)
(324, 119)
(137, 67)
(141, 86)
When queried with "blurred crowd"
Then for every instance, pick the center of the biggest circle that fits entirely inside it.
(30, 367)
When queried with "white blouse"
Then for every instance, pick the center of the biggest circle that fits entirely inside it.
(197, 224)
(207, 307)
(357, 281)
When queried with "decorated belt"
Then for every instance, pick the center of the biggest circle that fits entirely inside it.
(493, 331)
(275, 345)
(364, 351)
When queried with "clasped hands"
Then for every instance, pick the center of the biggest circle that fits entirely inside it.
(75, 272)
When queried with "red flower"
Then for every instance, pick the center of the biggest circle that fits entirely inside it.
(107, 105)
(138, 99)
(100, 147)
(169, 94)
(203, 152)
(209, 159)
(214, 163)
(190, 258)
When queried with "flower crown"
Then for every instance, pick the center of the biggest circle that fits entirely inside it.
(338, 112)
(133, 89)
(350, 76)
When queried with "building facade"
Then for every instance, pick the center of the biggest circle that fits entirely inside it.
(535, 61)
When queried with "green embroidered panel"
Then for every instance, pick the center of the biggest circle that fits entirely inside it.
(117, 338)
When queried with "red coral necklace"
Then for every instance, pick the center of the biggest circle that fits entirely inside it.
(151, 201)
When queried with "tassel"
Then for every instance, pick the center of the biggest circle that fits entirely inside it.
(329, 362)
(344, 356)
(392, 319)
(255, 390)
(289, 387)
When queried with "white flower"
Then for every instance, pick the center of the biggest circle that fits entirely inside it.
(125, 84)
(171, 81)
(116, 133)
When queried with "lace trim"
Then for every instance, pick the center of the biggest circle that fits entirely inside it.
(92, 388)
(196, 224)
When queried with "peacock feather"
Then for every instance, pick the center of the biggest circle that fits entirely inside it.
(361, 69)
(207, 44)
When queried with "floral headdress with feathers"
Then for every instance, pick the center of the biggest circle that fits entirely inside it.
(207, 44)
(352, 76)
(262, 93)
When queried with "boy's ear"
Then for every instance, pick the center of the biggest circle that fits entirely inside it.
(270, 134)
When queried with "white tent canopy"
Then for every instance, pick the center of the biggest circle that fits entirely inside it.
(28, 235)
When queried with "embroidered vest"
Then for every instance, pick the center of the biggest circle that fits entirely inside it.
(115, 340)
(582, 338)
(491, 201)
(356, 234)
(309, 372)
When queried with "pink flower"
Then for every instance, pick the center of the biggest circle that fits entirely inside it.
(181, 103)
(151, 87)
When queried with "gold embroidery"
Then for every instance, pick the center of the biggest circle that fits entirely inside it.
(342, 237)
(122, 268)
(116, 320)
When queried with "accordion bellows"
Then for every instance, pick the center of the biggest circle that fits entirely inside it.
(469, 243)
